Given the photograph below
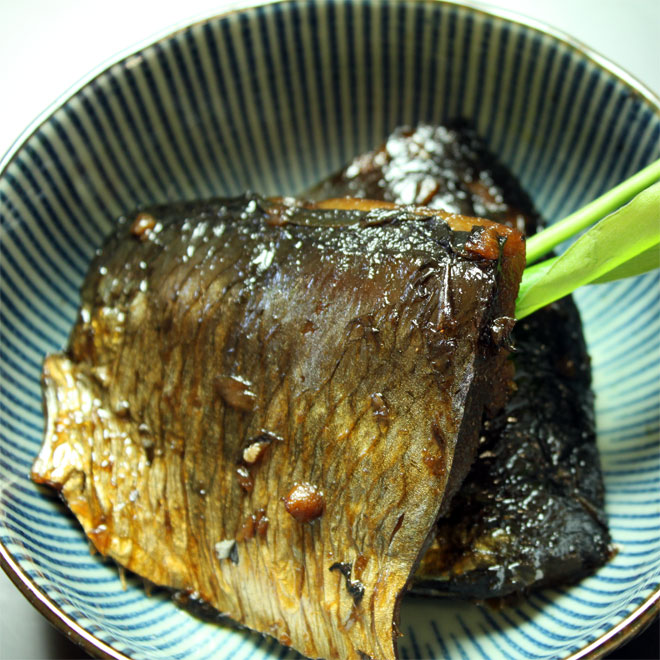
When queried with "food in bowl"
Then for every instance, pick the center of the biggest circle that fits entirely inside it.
(252, 358)
(530, 513)
(568, 124)
(269, 403)
(244, 403)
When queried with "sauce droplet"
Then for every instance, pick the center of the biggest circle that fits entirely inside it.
(245, 480)
(142, 225)
(304, 502)
(236, 393)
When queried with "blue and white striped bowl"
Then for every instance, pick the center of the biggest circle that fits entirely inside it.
(272, 99)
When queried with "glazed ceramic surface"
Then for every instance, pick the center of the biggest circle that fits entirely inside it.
(272, 99)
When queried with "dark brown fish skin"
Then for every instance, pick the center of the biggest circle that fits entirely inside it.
(358, 343)
(531, 511)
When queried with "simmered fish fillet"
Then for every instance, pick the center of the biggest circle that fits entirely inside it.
(270, 404)
(439, 167)
(531, 511)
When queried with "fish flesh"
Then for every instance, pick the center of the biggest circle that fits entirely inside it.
(268, 403)
(531, 511)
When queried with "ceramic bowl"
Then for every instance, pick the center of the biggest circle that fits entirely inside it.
(272, 99)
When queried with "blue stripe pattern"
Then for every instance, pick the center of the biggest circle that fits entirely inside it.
(272, 99)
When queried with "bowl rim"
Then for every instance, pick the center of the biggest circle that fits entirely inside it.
(238, 7)
(626, 629)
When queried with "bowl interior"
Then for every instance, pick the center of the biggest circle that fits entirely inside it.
(272, 99)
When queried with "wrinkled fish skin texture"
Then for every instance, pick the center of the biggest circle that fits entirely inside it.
(233, 356)
(531, 510)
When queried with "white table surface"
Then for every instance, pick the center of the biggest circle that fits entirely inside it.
(46, 46)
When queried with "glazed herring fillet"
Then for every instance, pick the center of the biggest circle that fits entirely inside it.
(531, 512)
(270, 403)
